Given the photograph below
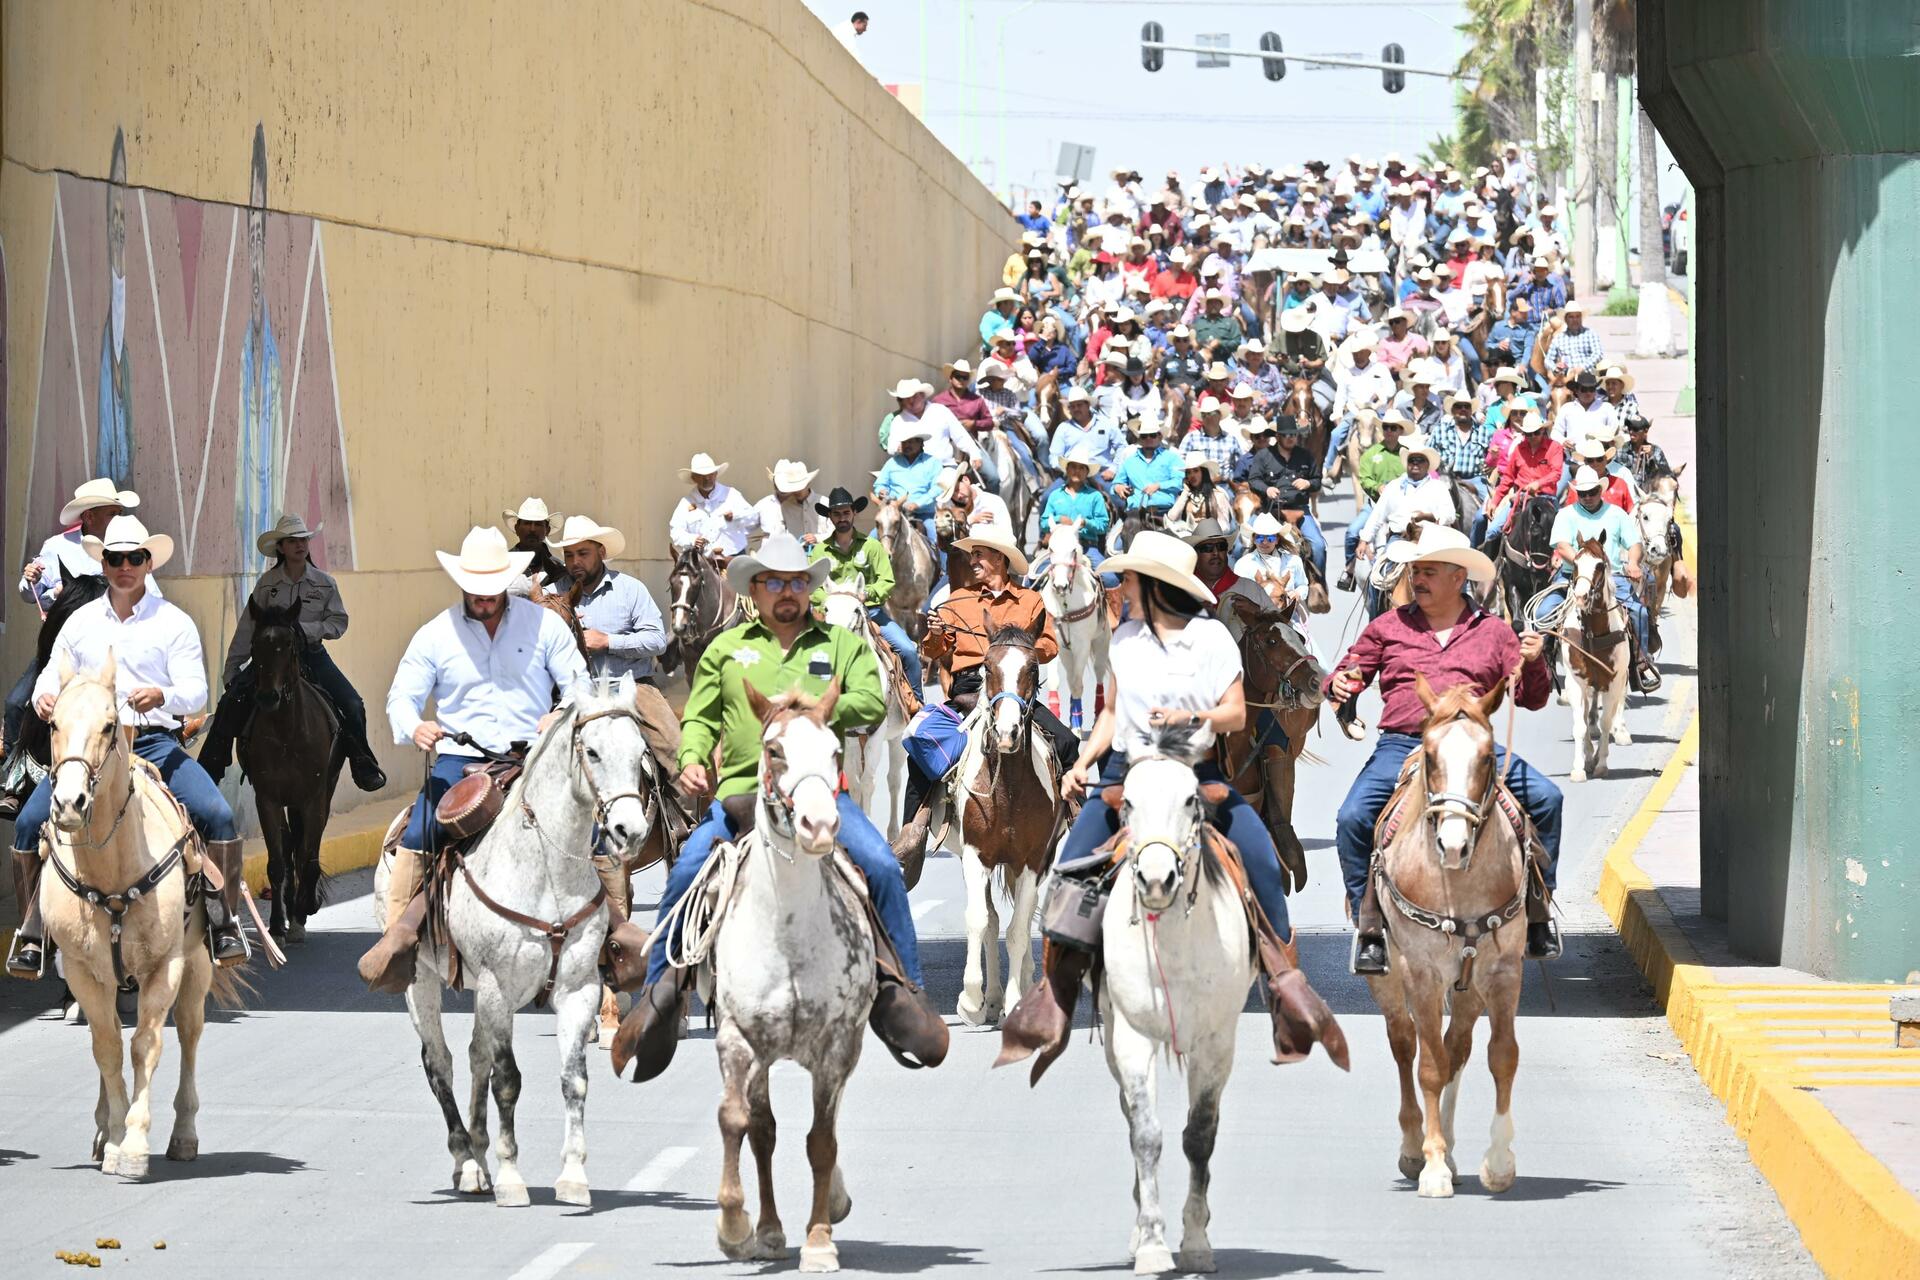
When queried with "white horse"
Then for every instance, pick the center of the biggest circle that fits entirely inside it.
(793, 977)
(1075, 598)
(1597, 655)
(527, 915)
(877, 760)
(1654, 510)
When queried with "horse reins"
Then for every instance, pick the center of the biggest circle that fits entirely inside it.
(116, 905)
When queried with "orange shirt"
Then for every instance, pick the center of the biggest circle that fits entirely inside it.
(961, 629)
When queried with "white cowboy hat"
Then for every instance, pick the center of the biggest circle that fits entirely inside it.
(1507, 373)
(97, 493)
(1004, 295)
(993, 367)
(1193, 461)
(1424, 372)
(703, 465)
(1457, 397)
(1297, 319)
(996, 537)
(1363, 339)
(484, 566)
(534, 511)
(1254, 345)
(1592, 447)
(1265, 526)
(289, 526)
(1617, 374)
(1439, 544)
(1531, 422)
(1587, 479)
(1210, 404)
(585, 529)
(952, 367)
(789, 476)
(1418, 444)
(1574, 307)
(1397, 418)
(903, 431)
(1244, 391)
(1162, 556)
(126, 533)
(1218, 372)
(1082, 455)
(1076, 395)
(906, 388)
(779, 553)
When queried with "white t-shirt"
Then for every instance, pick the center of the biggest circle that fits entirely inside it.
(1192, 672)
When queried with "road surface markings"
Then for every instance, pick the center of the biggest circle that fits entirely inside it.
(654, 1174)
(920, 909)
(552, 1260)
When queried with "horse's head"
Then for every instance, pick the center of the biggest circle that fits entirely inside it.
(683, 588)
(887, 521)
(1656, 518)
(85, 736)
(1590, 576)
(275, 651)
(1271, 643)
(1063, 554)
(799, 767)
(845, 604)
(1457, 760)
(1163, 815)
(1012, 682)
(611, 756)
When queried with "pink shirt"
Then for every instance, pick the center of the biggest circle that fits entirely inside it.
(1398, 645)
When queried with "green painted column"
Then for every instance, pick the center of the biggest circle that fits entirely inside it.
(1799, 123)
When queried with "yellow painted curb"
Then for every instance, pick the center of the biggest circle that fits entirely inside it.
(1760, 1048)
(348, 851)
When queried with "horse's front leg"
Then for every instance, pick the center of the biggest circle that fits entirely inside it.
(1465, 1012)
(436, 1059)
(1130, 1057)
(735, 1228)
(1207, 1071)
(311, 825)
(1026, 894)
(273, 828)
(1503, 1060)
(769, 1236)
(157, 992)
(189, 1020)
(1582, 703)
(1404, 1041)
(979, 889)
(1424, 997)
(575, 1013)
(103, 1024)
(495, 1070)
(830, 1202)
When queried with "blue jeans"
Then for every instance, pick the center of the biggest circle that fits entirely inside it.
(423, 829)
(1316, 541)
(1623, 591)
(896, 637)
(19, 700)
(1374, 787)
(1470, 358)
(180, 771)
(1238, 821)
(1354, 526)
(868, 848)
(1341, 430)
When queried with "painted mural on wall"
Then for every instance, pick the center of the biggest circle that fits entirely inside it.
(210, 388)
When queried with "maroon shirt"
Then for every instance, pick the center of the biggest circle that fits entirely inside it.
(1399, 644)
(972, 411)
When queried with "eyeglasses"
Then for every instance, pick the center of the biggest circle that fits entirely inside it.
(1205, 547)
(798, 586)
(115, 559)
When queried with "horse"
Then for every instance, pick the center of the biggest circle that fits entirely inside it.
(877, 776)
(1597, 656)
(1452, 880)
(1655, 513)
(564, 605)
(701, 604)
(525, 915)
(1019, 488)
(117, 907)
(1300, 405)
(1010, 811)
(1365, 434)
(1076, 600)
(1526, 561)
(291, 750)
(792, 977)
(1283, 692)
(914, 567)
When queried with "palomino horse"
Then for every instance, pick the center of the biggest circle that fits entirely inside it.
(1076, 601)
(793, 977)
(1452, 881)
(121, 849)
(1594, 629)
(877, 760)
(701, 604)
(914, 567)
(1366, 433)
(290, 750)
(1283, 681)
(1010, 809)
(525, 915)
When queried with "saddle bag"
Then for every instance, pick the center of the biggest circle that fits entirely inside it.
(935, 740)
(470, 805)
(1074, 911)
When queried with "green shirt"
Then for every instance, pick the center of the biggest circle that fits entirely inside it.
(1380, 467)
(717, 710)
(867, 559)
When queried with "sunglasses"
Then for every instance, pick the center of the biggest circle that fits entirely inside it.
(798, 586)
(1210, 546)
(115, 559)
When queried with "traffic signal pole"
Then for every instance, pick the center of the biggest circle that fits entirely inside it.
(1320, 59)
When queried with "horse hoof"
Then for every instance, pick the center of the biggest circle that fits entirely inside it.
(1578, 775)
(511, 1195)
(1436, 1182)
(1152, 1260)
(573, 1193)
(132, 1168)
(99, 1148)
(296, 932)
(1496, 1180)
(1200, 1260)
(183, 1149)
(971, 1012)
(770, 1244)
(1622, 736)
(1410, 1166)
(110, 1160)
(472, 1180)
(1599, 771)
(816, 1259)
(738, 1244)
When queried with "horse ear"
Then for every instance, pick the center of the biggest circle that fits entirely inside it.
(1491, 702)
(1425, 690)
(65, 668)
(823, 709)
(757, 702)
(1681, 470)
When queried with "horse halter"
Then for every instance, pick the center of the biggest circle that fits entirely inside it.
(114, 743)
(1454, 803)
(1183, 852)
(602, 801)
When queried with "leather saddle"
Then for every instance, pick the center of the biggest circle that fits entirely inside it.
(471, 805)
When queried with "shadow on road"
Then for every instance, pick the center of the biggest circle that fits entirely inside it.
(1248, 1262)
(1525, 1188)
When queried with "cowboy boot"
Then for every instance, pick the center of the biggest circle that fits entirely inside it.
(1043, 1019)
(1346, 582)
(910, 846)
(225, 940)
(1543, 932)
(388, 966)
(650, 1032)
(1370, 933)
(364, 766)
(27, 958)
(901, 1017)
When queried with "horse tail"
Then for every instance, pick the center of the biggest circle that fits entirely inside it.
(230, 988)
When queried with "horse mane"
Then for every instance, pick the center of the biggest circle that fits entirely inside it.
(1175, 742)
(1012, 636)
(1460, 702)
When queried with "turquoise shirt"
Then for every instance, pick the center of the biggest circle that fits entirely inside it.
(917, 481)
(1613, 528)
(1088, 505)
(1138, 471)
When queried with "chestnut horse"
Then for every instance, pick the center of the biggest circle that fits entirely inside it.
(1283, 681)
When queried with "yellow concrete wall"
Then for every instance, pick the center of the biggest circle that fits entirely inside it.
(565, 245)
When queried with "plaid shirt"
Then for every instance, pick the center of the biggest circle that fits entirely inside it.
(1580, 350)
(1224, 450)
(1462, 456)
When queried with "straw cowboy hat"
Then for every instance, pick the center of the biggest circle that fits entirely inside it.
(126, 533)
(1395, 417)
(841, 497)
(1418, 444)
(1161, 556)
(97, 493)
(779, 553)
(1439, 544)
(1004, 295)
(952, 367)
(996, 537)
(584, 529)
(789, 476)
(289, 526)
(533, 511)
(484, 566)
(1457, 397)
(1080, 455)
(1523, 416)
(703, 465)
(1620, 375)
(1507, 373)
(1586, 480)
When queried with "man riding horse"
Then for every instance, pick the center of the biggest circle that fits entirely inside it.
(849, 555)
(713, 517)
(159, 678)
(532, 525)
(292, 583)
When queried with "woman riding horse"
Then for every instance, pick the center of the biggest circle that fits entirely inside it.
(293, 582)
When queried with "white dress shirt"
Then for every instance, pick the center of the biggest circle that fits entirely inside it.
(494, 688)
(798, 519)
(1368, 388)
(153, 647)
(63, 557)
(1572, 424)
(1401, 500)
(698, 517)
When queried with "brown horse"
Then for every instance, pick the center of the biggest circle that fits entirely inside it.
(565, 605)
(291, 750)
(1283, 682)
(701, 604)
(914, 565)
(1300, 405)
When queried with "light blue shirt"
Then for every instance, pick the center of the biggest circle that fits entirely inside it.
(494, 688)
(1099, 435)
(1089, 505)
(918, 481)
(1613, 528)
(1139, 471)
(622, 608)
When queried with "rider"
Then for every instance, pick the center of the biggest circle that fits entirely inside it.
(1276, 570)
(1380, 465)
(1417, 491)
(1368, 384)
(783, 649)
(1444, 636)
(620, 625)
(490, 665)
(1149, 479)
(159, 678)
(1077, 499)
(785, 510)
(913, 476)
(714, 517)
(292, 581)
(1533, 468)
(1592, 518)
(1283, 475)
(1201, 496)
(851, 556)
(532, 525)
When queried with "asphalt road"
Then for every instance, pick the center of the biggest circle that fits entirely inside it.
(323, 1151)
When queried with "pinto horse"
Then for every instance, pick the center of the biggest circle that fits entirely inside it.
(702, 604)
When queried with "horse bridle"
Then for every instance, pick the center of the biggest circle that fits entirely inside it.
(1024, 734)
(602, 801)
(1183, 855)
(1456, 804)
(780, 803)
(94, 771)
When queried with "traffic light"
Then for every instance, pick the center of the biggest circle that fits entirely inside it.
(1150, 34)
(1272, 68)
(1394, 81)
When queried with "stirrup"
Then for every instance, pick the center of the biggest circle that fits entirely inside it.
(1353, 958)
(27, 958)
(1555, 946)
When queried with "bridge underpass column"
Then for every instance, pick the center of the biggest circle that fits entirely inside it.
(1799, 122)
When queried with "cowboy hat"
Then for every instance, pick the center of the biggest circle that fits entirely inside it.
(1457, 397)
(289, 526)
(903, 431)
(1244, 391)
(996, 537)
(1620, 375)
(1206, 531)
(1298, 319)
(993, 367)
(1265, 526)
(1395, 418)
(1004, 295)
(586, 529)
(1424, 372)
(789, 476)
(1161, 556)
(1210, 404)
(1586, 480)
(1076, 395)
(1591, 447)
(841, 498)
(1255, 346)
(1439, 544)
(1217, 371)
(906, 388)
(956, 366)
(779, 553)
(1080, 455)
(1574, 307)
(1530, 422)
(703, 465)
(484, 566)
(1418, 443)
(1363, 339)
(1200, 461)
(1507, 373)
(126, 533)
(97, 493)
(1585, 381)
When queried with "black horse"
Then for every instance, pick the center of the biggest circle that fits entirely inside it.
(28, 737)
